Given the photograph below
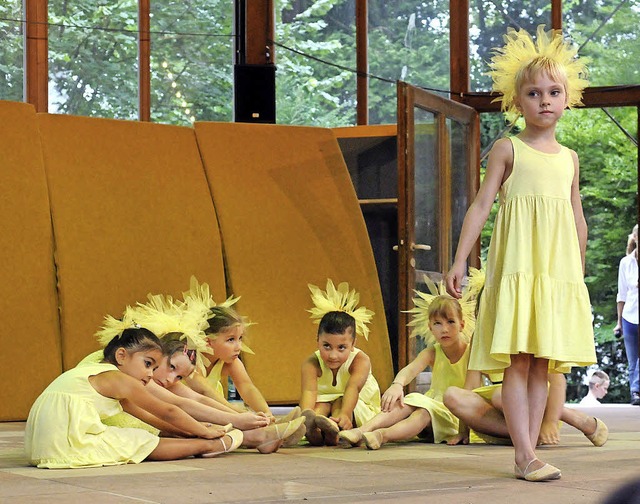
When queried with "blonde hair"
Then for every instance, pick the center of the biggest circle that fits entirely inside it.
(446, 307)
(632, 241)
(538, 66)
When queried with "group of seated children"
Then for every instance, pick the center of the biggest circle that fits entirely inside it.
(154, 392)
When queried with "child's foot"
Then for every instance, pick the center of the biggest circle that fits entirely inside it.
(600, 434)
(299, 433)
(229, 442)
(313, 433)
(278, 433)
(329, 428)
(292, 415)
(349, 438)
(373, 440)
(536, 470)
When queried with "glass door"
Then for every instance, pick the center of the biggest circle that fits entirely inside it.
(438, 176)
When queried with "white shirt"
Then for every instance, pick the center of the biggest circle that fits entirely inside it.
(628, 287)
(589, 400)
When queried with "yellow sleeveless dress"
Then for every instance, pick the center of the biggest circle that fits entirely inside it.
(121, 419)
(65, 428)
(444, 375)
(535, 300)
(368, 404)
(215, 377)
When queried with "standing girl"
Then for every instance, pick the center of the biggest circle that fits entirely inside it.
(338, 388)
(65, 429)
(439, 320)
(535, 311)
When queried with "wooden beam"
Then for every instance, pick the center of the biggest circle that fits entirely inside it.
(459, 48)
(593, 97)
(259, 32)
(36, 82)
(556, 14)
(362, 63)
(144, 60)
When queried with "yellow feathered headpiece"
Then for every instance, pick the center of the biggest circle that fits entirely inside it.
(420, 311)
(162, 315)
(520, 50)
(342, 300)
(199, 298)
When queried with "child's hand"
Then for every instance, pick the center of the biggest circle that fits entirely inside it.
(549, 434)
(250, 420)
(458, 439)
(214, 431)
(393, 394)
(343, 421)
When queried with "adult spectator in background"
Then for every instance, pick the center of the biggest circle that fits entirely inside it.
(628, 311)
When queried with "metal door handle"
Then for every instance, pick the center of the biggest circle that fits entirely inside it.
(420, 246)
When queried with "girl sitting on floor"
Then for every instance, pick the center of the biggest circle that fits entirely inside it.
(402, 418)
(65, 429)
(338, 388)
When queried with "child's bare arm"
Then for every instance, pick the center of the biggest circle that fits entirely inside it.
(247, 389)
(309, 393)
(185, 391)
(120, 386)
(395, 392)
(578, 214)
(358, 373)
(500, 158)
(201, 385)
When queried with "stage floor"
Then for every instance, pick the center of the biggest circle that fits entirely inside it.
(401, 473)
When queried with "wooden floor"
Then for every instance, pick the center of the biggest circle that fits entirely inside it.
(401, 473)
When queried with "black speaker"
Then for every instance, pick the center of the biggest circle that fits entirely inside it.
(254, 93)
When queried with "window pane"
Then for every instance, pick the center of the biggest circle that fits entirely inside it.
(489, 22)
(191, 61)
(309, 91)
(11, 50)
(93, 58)
(407, 41)
(607, 33)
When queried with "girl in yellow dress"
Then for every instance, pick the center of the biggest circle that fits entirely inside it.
(404, 417)
(338, 388)
(65, 429)
(535, 312)
(181, 327)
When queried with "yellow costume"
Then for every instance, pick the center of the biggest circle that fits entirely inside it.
(368, 404)
(215, 377)
(121, 419)
(535, 300)
(445, 374)
(65, 428)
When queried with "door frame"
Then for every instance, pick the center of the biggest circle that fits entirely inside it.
(409, 98)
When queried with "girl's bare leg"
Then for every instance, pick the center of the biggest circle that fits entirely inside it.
(407, 428)
(537, 394)
(515, 402)
(475, 412)
(387, 418)
(179, 448)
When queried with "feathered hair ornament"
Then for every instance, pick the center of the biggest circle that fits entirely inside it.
(199, 298)
(112, 327)
(520, 50)
(422, 303)
(339, 299)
